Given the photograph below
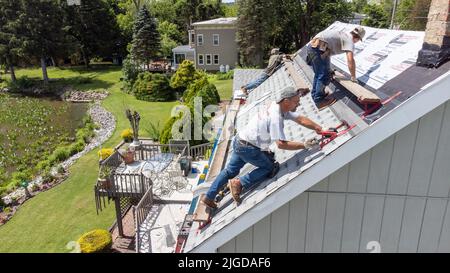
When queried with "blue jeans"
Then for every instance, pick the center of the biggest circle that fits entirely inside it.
(243, 154)
(321, 67)
(257, 82)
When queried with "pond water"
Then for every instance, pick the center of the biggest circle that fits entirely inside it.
(31, 128)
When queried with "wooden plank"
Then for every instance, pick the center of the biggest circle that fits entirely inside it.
(298, 80)
(360, 92)
(202, 212)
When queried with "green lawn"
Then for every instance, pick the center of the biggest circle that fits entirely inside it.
(47, 222)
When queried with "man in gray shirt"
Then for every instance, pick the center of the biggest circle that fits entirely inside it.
(319, 50)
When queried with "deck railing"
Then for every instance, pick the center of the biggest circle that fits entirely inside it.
(140, 213)
(202, 151)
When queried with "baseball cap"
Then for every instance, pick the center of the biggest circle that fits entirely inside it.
(286, 93)
(360, 31)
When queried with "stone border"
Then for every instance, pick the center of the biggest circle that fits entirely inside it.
(107, 123)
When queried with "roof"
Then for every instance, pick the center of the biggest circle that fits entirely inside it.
(183, 49)
(385, 63)
(218, 21)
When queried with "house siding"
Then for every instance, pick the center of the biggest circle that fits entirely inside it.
(397, 194)
(227, 48)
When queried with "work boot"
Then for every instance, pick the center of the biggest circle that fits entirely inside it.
(324, 103)
(244, 91)
(235, 189)
(210, 203)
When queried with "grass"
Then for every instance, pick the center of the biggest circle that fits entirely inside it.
(52, 219)
(49, 221)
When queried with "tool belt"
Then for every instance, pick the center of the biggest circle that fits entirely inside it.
(323, 47)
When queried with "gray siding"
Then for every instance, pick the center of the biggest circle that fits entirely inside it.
(396, 193)
(227, 48)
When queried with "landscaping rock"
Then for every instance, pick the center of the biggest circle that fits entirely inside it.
(87, 96)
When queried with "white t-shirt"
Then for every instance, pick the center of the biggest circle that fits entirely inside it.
(266, 126)
(338, 41)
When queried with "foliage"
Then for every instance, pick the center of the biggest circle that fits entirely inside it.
(130, 72)
(105, 153)
(412, 14)
(127, 135)
(153, 87)
(105, 172)
(166, 132)
(95, 241)
(146, 43)
(225, 76)
(92, 29)
(184, 76)
(358, 5)
(195, 86)
(9, 35)
(376, 16)
(152, 130)
(230, 10)
(170, 37)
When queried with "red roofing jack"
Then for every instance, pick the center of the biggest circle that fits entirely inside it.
(333, 133)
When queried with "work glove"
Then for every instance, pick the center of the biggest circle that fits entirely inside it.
(311, 143)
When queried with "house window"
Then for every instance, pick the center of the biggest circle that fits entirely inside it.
(199, 39)
(201, 60)
(179, 58)
(216, 39)
(208, 59)
(216, 59)
(192, 38)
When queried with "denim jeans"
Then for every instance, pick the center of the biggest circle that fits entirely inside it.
(257, 82)
(321, 67)
(243, 154)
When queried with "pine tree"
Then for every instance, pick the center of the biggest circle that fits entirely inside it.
(9, 45)
(41, 33)
(93, 28)
(146, 44)
(252, 27)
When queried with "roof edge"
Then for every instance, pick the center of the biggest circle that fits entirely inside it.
(428, 99)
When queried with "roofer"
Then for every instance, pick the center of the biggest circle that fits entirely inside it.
(251, 145)
(325, 44)
(275, 60)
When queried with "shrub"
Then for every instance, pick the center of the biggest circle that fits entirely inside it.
(76, 147)
(185, 74)
(47, 177)
(105, 153)
(23, 83)
(152, 130)
(166, 132)
(225, 76)
(60, 169)
(41, 166)
(153, 87)
(127, 135)
(209, 95)
(130, 72)
(95, 241)
(85, 134)
(60, 154)
(195, 87)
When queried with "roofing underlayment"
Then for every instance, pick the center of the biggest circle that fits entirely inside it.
(385, 65)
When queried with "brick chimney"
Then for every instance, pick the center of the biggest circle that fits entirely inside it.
(436, 44)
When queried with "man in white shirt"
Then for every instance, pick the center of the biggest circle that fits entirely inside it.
(251, 145)
(325, 44)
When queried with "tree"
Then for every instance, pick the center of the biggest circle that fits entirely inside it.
(170, 37)
(9, 40)
(93, 28)
(153, 87)
(252, 29)
(376, 17)
(412, 14)
(41, 31)
(358, 5)
(185, 74)
(146, 44)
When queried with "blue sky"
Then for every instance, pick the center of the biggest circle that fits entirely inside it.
(227, 1)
